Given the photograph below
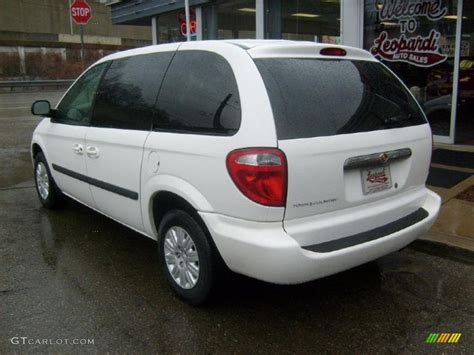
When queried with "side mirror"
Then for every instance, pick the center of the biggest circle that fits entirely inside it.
(41, 108)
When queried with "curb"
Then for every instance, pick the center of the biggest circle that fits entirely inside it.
(443, 250)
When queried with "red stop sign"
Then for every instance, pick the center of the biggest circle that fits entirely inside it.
(81, 12)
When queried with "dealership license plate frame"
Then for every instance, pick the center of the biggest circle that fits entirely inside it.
(369, 187)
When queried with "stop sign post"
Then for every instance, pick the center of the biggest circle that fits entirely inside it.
(81, 13)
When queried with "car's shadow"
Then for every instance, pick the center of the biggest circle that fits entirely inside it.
(109, 244)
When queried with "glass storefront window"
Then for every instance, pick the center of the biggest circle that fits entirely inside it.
(306, 20)
(229, 20)
(464, 119)
(416, 39)
(172, 26)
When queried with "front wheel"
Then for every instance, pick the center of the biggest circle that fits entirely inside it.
(186, 257)
(48, 192)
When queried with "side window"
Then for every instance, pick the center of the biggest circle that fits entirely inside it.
(128, 91)
(75, 107)
(199, 95)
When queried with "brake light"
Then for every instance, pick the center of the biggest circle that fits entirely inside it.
(260, 174)
(333, 51)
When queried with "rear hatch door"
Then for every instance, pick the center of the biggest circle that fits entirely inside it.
(351, 131)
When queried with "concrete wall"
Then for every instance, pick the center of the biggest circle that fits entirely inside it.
(52, 17)
(34, 63)
(37, 40)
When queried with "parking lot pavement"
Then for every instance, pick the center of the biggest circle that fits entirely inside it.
(16, 126)
(74, 275)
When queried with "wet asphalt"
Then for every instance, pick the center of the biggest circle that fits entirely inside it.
(73, 275)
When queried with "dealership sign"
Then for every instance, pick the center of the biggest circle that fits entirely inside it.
(422, 51)
(183, 30)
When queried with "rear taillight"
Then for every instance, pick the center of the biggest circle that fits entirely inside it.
(260, 174)
(333, 51)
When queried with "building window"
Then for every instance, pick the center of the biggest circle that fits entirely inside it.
(172, 26)
(229, 20)
(305, 20)
(417, 42)
(464, 121)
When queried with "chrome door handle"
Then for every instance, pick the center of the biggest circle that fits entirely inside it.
(78, 149)
(92, 152)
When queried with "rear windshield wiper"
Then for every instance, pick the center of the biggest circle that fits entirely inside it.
(392, 120)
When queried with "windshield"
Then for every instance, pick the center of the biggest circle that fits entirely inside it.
(324, 97)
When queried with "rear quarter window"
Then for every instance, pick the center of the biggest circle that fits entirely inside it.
(128, 91)
(325, 97)
(199, 95)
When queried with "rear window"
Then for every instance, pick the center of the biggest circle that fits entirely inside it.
(321, 97)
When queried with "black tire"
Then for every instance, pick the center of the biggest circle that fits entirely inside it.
(54, 197)
(201, 291)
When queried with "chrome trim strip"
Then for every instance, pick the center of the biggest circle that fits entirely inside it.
(363, 161)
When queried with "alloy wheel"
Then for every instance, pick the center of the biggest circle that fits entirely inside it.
(42, 180)
(181, 257)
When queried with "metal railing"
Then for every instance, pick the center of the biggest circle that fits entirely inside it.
(34, 83)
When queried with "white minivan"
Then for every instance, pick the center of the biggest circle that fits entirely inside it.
(284, 161)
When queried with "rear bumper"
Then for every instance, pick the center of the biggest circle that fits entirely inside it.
(266, 252)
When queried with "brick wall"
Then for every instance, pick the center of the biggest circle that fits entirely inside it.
(34, 63)
(38, 40)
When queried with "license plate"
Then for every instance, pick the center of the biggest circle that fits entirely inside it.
(376, 179)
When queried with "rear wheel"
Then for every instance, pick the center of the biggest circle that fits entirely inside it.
(48, 193)
(186, 257)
